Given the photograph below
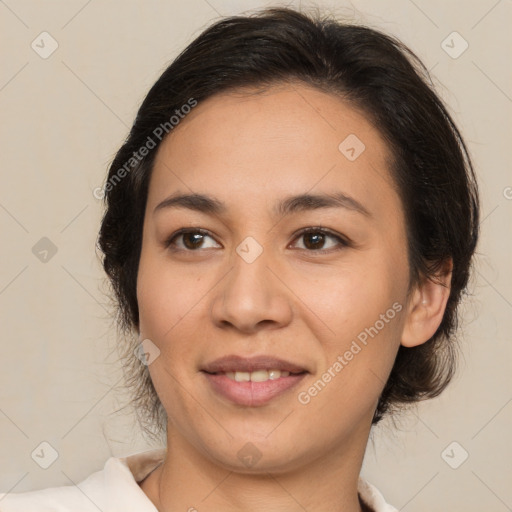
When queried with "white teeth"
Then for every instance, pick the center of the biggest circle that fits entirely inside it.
(256, 376)
(259, 376)
(242, 376)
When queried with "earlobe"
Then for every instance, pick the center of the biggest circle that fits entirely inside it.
(426, 307)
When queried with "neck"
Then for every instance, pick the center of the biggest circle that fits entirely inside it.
(191, 481)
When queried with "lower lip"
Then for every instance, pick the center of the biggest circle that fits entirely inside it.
(252, 394)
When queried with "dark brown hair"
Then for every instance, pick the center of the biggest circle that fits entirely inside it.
(380, 77)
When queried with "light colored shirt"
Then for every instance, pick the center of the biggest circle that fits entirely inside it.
(116, 489)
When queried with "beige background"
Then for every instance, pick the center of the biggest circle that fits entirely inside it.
(63, 119)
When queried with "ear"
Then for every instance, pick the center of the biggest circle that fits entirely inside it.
(426, 307)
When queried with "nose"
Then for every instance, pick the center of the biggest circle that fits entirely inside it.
(252, 297)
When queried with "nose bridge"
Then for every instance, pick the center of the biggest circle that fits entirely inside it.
(250, 262)
(251, 295)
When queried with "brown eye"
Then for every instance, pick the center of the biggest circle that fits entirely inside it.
(316, 239)
(192, 239)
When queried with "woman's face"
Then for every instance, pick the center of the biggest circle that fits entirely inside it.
(246, 284)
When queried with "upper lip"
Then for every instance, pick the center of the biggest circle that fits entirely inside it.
(234, 363)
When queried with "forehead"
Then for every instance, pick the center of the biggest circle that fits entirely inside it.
(245, 145)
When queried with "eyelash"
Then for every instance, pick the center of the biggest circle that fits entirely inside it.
(342, 242)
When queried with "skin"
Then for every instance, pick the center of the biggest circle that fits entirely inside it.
(302, 299)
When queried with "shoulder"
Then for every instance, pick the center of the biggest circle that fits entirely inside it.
(115, 487)
(372, 497)
(87, 495)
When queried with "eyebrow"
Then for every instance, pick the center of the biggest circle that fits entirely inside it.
(298, 203)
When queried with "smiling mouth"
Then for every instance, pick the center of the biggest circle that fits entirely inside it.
(258, 375)
(252, 381)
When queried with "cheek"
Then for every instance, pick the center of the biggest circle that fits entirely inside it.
(173, 312)
(357, 362)
(352, 298)
(167, 317)
(362, 306)
(165, 296)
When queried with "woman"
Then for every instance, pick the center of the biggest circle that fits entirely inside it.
(289, 229)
